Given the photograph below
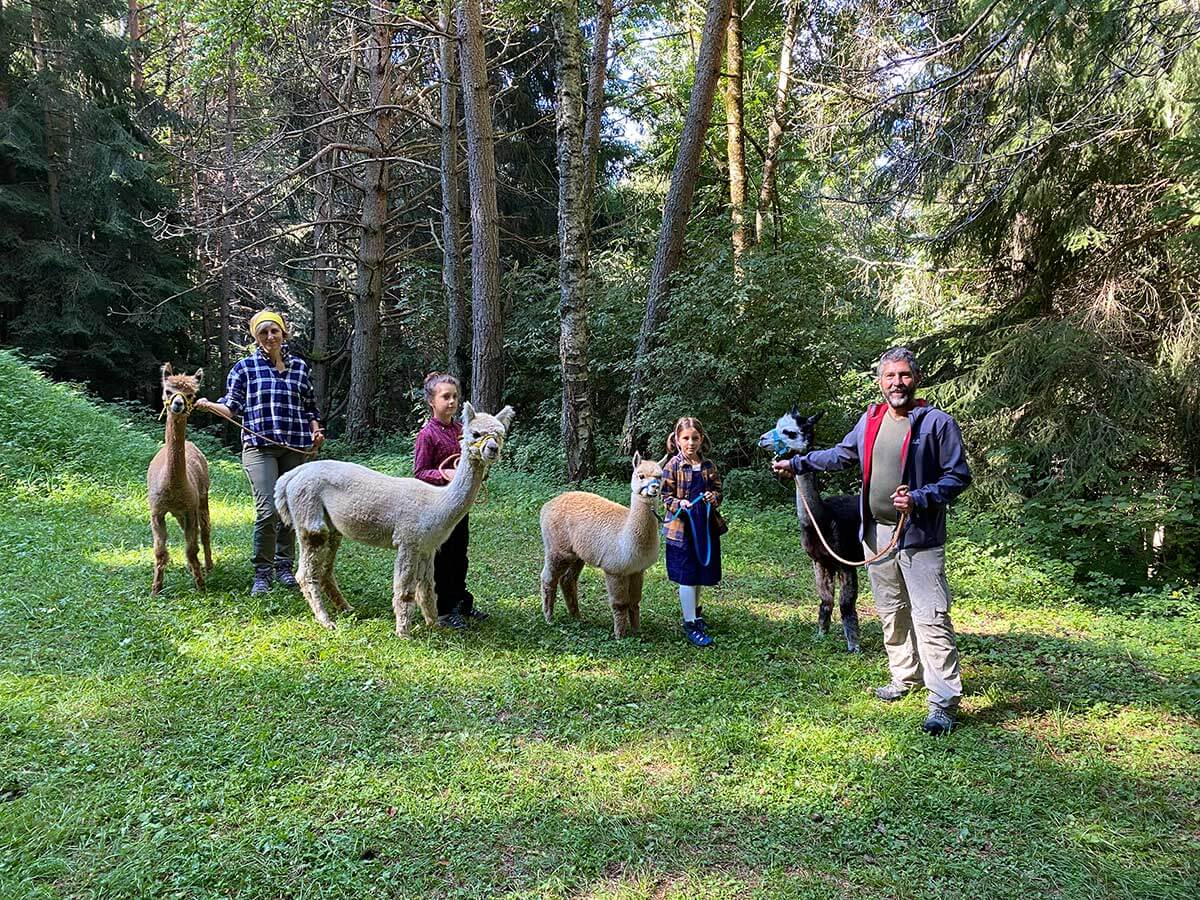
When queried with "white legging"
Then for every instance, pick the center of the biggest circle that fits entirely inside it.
(689, 600)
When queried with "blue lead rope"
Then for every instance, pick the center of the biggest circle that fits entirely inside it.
(695, 529)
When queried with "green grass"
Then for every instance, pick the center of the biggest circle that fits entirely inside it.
(203, 745)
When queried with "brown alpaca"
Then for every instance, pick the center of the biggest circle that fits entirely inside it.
(580, 528)
(177, 481)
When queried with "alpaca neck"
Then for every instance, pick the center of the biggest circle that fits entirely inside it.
(806, 488)
(176, 439)
(463, 487)
(640, 524)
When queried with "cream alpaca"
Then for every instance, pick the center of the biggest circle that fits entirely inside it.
(177, 481)
(327, 500)
(580, 528)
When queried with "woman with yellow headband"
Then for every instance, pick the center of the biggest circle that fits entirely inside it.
(271, 391)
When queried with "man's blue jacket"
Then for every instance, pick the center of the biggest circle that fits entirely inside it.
(932, 461)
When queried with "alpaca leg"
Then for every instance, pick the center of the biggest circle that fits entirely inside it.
(824, 581)
(848, 600)
(570, 587)
(206, 532)
(328, 581)
(634, 583)
(619, 601)
(191, 534)
(553, 571)
(158, 528)
(403, 593)
(426, 591)
(314, 564)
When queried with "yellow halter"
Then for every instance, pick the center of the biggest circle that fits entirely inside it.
(477, 444)
(188, 404)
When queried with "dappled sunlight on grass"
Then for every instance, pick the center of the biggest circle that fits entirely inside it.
(217, 744)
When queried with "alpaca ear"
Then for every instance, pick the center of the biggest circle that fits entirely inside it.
(468, 412)
(662, 463)
(199, 376)
(637, 459)
(812, 420)
(167, 370)
(505, 416)
(795, 413)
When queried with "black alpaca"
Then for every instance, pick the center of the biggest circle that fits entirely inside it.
(837, 517)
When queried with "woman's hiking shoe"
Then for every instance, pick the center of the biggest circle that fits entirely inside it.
(283, 574)
(452, 620)
(262, 582)
(890, 693)
(696, 635)
(938, 722)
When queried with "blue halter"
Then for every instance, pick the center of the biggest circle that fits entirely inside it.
(781, 446)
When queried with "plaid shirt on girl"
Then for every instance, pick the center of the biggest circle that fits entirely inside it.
(278, 405)
(676, 486)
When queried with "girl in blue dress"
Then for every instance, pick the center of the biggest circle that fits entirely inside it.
(692, 494)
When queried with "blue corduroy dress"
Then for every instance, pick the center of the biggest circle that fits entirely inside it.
(684, 563)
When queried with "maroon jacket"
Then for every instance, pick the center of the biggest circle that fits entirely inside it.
(434, 443)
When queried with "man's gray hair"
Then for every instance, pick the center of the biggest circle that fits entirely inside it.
(898, 354)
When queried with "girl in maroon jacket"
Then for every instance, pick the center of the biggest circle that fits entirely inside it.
(437, 447)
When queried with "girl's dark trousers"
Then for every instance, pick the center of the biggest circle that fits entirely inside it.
(450, 572)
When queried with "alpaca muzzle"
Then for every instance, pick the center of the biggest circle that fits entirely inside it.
(651, 488)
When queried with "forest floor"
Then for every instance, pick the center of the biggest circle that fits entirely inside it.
(212, 744)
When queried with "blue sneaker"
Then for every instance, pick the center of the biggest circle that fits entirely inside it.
(697, 637)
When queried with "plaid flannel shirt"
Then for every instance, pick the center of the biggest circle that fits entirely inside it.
(279, 405)
(676, 486)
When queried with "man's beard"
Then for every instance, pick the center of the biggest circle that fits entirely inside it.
(903, 400)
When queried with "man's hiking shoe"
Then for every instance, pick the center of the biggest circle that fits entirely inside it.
(475, 613)
(938, 722)
(262, 582)
(453, 620)
(890, 693)
(694, 632)
(283, 574)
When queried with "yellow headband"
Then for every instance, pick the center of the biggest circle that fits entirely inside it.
(262, 318)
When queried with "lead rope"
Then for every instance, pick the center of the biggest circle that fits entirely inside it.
(312, 451)
(482, 497)
(903, 489)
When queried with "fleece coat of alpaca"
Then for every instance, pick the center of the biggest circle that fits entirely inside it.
(581, 529)
(328, 500)
(177, 482)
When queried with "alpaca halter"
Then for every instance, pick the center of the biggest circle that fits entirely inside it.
(653, 482)
(188, 404)
(478, 444)
(781, 446)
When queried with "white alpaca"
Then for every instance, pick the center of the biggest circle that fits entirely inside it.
(327, 500)
(580, 528)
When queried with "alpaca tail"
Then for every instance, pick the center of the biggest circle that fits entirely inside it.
(281, 498)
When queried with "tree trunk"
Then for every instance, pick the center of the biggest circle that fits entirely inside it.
(735, 137)
(372, 245)
(226, 239)
(41, 65)
(766, 193)
(679, 200)
(487, 352)
(572, 252)
(135, 46)
(597, 75)
(5, 56)
(458, 331)
(322, 213)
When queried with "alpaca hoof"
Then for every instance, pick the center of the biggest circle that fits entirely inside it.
(853, 648)
(325, 622)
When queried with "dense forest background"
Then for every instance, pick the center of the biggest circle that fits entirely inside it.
(610, 214)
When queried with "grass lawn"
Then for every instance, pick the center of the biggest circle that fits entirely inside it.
(203, 745)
